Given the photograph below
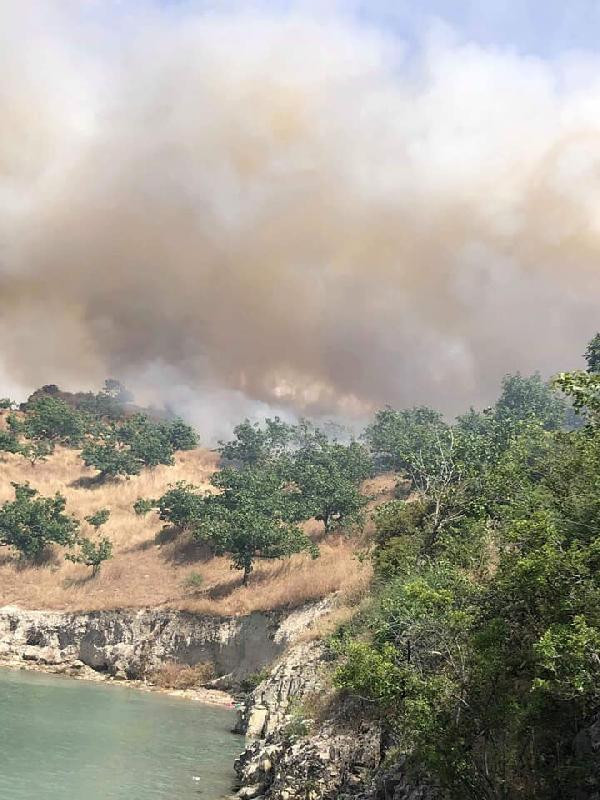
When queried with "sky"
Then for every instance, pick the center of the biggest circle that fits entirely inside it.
(533, 27)
(544, 28)
(297, 207)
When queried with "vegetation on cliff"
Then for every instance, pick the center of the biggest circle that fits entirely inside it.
(480, 649)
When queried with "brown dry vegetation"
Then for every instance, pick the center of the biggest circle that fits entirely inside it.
(151, 568)
(173, 675)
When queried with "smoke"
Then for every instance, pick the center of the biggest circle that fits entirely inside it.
(285, 210)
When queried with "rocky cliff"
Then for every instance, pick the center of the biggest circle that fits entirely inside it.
(302, 742)
(296, 753)
(131, 644)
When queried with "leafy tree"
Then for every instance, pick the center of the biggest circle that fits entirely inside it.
(592, 354)
(124, 448)
(252, 517)
(92, 553)
(149, 442)
(481, 654)
(180, 505)
(328, 475)
(583, 388)
(52, 419)
(530, 397)
(254, 444)
(37, 450)
(111, 459)
(182, 436)
(98, 518)
(6, 403)
(15, 425)
(116, 391)
(250, 522)
(30, 522)
(407, 441)
(8, 442)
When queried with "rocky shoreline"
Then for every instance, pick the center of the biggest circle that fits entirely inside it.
(300, 745)
(124, 647)
(131, 644)
(297, 746)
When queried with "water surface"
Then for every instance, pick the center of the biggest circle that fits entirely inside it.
(63, 739)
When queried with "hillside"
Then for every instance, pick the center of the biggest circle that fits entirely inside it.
(150, 568)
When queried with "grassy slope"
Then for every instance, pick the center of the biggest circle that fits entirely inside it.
(150, 569)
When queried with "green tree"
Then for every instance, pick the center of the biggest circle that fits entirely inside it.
(253, 444)
(583, 388)
(98, 518)
(481, 654)
(148, 441)
(92, 553)
(407, 441)
(530, 397)
(181, 505)
(37, 450)
(124, 448)
(252, 517)
(111, 459)
(52, 419)
(592, 354)
(30, 522)
(328, 476)
(181, 435)
(9, 442)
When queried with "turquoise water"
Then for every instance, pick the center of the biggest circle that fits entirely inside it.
(63, 739)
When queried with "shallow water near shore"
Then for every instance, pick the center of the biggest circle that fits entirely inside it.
(64, 739)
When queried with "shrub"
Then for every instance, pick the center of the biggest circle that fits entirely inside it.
(250, 682)
(173, 675)
(51, 418)
(29, 523)
(143, 506)
(181, 435)
(9, 443)
(193, 581)
(98, 518)
(92, 554)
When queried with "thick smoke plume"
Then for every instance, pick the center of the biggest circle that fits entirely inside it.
(285, 210)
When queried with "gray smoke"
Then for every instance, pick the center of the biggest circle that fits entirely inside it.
(283, 211)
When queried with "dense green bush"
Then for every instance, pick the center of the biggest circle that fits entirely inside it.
(480, 650)
(9, 442)
(253, 516)
(181, 435)
(253, 444)
(125, 447)
(30, 523)
(92, 553)
(181, 505)
(52, 419)
(328, 476)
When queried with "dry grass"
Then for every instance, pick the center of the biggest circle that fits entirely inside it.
(151, 570)
(172, 675)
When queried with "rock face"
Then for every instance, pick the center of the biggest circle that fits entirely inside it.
(130, 644)
(340, 757)
(282, 760)
(286, 756)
